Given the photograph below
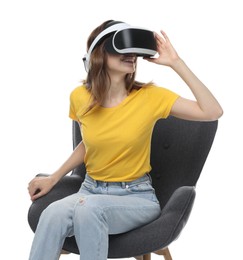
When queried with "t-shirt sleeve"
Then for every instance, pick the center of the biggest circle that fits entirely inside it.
(79, 103)
(72, 107)
(161, 100)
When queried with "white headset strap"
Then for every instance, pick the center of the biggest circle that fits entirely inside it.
(113, 28)
(108, 30)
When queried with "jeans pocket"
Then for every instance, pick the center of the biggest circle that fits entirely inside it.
(143, 187)
(87, 185)
(143, 190)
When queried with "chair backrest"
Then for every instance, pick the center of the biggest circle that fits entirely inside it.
(179, 150)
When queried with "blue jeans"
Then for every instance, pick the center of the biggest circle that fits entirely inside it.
(97, 210)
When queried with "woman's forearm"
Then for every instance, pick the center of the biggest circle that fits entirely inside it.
(75, 159)
(205, 99)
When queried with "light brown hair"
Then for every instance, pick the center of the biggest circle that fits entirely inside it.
(98, 80)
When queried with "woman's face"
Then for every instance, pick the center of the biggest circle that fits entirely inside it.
(124, 64)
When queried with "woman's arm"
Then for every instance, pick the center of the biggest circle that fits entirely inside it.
(40, 186)
(206, 107)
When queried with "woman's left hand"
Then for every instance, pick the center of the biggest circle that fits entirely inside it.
(167, 55)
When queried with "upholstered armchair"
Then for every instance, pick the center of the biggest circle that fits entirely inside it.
(178, 153)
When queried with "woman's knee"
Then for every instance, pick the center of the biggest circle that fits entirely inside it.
(52, 211)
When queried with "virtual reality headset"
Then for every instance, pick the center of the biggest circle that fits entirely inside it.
(122, 38)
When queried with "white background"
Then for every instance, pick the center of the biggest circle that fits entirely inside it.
(41, 48)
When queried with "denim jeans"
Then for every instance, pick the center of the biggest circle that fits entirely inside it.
(97, 210)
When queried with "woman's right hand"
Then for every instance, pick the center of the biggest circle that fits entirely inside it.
(40, 186)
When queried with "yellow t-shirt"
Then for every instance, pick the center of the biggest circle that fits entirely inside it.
(117, 140)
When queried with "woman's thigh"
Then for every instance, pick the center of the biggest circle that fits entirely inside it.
(124, 206)
(121, 213)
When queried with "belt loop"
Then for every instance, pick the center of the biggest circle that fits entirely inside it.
(149, 176)
(95, 183)
(123, 184)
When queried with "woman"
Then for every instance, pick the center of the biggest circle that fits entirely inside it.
(116, 116)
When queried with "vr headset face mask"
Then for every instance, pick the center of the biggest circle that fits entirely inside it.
(122, 38)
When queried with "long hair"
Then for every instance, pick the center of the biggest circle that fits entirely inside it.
(98, 80)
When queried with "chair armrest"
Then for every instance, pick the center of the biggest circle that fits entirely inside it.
(66, 186)
(159, 233)
(176, 212)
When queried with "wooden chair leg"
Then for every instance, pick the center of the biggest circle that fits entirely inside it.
(139, 257)
(165, 253)
(64, 252)
(147, 257)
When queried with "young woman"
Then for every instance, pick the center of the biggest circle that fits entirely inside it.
(116, 116)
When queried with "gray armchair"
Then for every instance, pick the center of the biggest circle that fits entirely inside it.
(178, 153)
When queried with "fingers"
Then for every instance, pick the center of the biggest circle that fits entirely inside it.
(163, 38)
(34, 189)
(164, 35)
(35, 192)
(39, 186)
(37, 195)
(154, 60)
(160, 40)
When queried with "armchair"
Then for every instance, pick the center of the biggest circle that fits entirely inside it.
(178, 153)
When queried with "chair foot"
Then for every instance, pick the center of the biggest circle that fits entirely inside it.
(147, 257)
(143, 257)
(139, 257)
(164, 252)
(64, 252)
